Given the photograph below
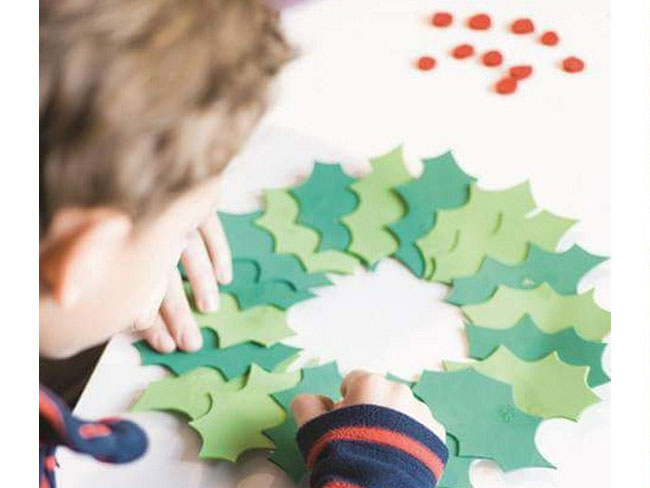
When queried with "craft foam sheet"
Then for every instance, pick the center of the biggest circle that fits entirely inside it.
(188, 394)
(479, 412)
(250, 292)
(319, 380)
(237, 419)
(249, 242)
(264, 325)
(231, 361)
(493, 223)
(323, 199)
(379, 205)
(550, 311)
(279, 219)
(562, 271)
(548, 388)
(442, 185)
(529, 343)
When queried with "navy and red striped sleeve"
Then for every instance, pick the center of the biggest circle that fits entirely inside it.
(368, 446)
(108, 440)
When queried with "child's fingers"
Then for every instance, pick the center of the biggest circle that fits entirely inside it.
(158, 337)
(306, 407)
(177, 314)
(200, 274)
(350, 378)
(216, 243)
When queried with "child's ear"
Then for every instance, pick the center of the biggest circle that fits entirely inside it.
(79, 241)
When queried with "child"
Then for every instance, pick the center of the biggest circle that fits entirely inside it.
(142, 104)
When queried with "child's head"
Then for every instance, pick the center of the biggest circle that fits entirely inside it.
(142, 104)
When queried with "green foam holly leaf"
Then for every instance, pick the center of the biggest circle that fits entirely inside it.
(263, 324)
(231, 361)
(250, 292)
(442, 185)
(528, 342)
(379, 205)
(492, 223)
(279, 220)
(187, 394)
(456, 473)
(319, 380)
(236, 419)
(561, 271)
(480, 216)
(479, 412)
(550, 311)
(323, 199)
(250, 242)
(548, 388)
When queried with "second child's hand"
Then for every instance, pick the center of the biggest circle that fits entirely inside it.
(207, 262)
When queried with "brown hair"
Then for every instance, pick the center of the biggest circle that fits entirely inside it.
(142, 99)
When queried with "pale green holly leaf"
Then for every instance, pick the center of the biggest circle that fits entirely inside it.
(550, 311)
(548, 388)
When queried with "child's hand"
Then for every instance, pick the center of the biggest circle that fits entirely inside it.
(207, 262)
(360, 387)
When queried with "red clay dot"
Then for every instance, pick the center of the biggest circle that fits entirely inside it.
(521, 72)
(522, 26)
(426, 63)
(573, 65)
(506, 86)
(442, 19)
(549, 38)
(479, 22)
(492, 58)
(463, 51)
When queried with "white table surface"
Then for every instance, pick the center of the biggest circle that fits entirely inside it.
(351, 95)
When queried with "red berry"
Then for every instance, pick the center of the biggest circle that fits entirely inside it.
(426, 63)
(521, 72)
(492, 58)
(442, 19)
(549, 38)
(506, 86)
(479, 22)
(573, 65)
(522, 26)
(463, 51)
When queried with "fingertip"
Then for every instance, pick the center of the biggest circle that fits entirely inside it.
(306, 407)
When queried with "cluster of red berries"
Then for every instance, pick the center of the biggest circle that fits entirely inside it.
(494, 58)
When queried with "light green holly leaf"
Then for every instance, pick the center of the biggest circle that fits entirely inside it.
(550, 311)
(187, 394)
(279, 219)
(529, 343)
(263, 324)
(237, 419)
(491, 223)
(548, 388)
(379, 205)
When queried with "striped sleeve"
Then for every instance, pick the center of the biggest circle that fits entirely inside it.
(368, 446)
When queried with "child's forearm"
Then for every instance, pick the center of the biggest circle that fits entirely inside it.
(367, 446)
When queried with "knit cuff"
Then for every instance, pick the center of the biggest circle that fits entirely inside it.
(390, 437)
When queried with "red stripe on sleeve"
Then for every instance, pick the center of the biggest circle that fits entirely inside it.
(379, 436)
(48, 409)
(340, 484)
